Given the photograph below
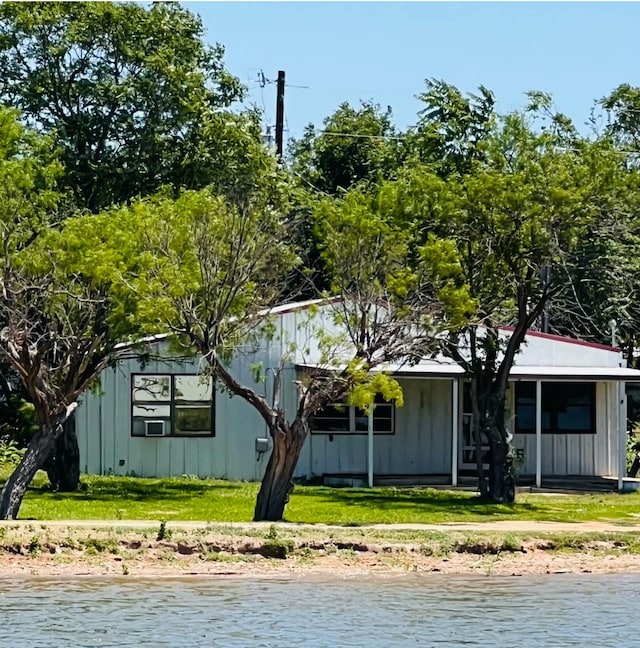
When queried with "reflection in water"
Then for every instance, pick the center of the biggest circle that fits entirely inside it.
(429, 610)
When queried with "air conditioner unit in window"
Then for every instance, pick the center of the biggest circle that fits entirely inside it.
(155, 428)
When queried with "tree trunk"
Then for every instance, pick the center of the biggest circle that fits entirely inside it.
(276, 484)
(500, 485)
(63, 466)
(501, 482)
(36, 454)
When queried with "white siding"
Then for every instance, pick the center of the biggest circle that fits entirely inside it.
(575, 454)
(107, 447)
(421, 444)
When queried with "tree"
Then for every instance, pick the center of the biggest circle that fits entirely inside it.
(452, 128)
(522, 207)
(135, 100)
(66, 304)
(622, 108)
(219, 271)
(355, 145)
(603, 278)
(132, 95)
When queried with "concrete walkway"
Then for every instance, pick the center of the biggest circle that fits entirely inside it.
(504, 526)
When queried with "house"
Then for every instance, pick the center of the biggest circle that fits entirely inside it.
(566, 409)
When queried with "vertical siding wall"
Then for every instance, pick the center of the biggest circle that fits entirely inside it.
(421, 444)
(576, 454)
(107, 447)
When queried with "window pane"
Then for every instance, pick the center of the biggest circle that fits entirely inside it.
(192, 420)
(331, 419)
(152, 411)
(362, 421)
(567, 408)
(193, 388)
(335, 418)
(151, 388)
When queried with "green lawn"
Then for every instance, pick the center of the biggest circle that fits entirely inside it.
(220, 501)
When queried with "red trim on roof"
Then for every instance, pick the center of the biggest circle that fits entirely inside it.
(567, 340)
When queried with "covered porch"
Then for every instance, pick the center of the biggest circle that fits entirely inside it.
(581, 445)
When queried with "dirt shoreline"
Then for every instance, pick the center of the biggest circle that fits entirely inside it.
(147, 550)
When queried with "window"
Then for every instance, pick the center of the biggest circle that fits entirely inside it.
(171, 405)
(567, 408)
(347, 419)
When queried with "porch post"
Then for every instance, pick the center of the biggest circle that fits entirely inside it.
(608, 386)
(455, 416)
(622, 433)
(370, 445)
(538, 433)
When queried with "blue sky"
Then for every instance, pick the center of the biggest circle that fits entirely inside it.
(577, 51)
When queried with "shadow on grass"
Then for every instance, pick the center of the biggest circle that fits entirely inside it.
(144, 489)
(425, 501)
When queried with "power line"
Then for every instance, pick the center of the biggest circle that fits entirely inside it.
(360, 135)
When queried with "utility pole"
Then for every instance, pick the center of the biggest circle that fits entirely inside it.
(279, 114)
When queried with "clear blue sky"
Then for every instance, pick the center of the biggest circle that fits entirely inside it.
(383, 51)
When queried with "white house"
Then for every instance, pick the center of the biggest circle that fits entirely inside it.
(566, 408)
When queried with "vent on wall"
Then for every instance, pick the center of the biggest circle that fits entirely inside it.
(154, 428)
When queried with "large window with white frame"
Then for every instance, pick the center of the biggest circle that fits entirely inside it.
(342, 418)
(172, 405)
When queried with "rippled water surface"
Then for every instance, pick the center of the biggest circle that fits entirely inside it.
(433, 610)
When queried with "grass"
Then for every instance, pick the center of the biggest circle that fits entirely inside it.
(129, 498)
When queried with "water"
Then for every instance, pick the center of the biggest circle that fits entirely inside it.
(434, 610)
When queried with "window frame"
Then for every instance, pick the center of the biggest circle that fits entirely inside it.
(553, 413)
(351, 414)
(174, 404)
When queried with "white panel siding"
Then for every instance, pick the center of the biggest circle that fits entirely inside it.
(104, 419)
(573, 454)
(421, 444)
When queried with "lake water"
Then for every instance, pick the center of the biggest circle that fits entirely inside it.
(418, 610)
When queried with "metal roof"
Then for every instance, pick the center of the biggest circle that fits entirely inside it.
(523, 372)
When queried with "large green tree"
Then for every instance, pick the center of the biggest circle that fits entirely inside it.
(220, 269)
(132, 95)
(65, 297)
(354, 146)
(604, 278)
(521, 207)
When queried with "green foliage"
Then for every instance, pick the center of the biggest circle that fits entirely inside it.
(132, 94)
(215, 267)
(355, 145)
(10, 454)
(368, 386)
(29, 172)
(362, 250)
(272, 533)
(452, 128)
(163, 532)
(277, 548)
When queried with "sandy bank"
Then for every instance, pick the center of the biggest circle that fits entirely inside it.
(149, 550)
